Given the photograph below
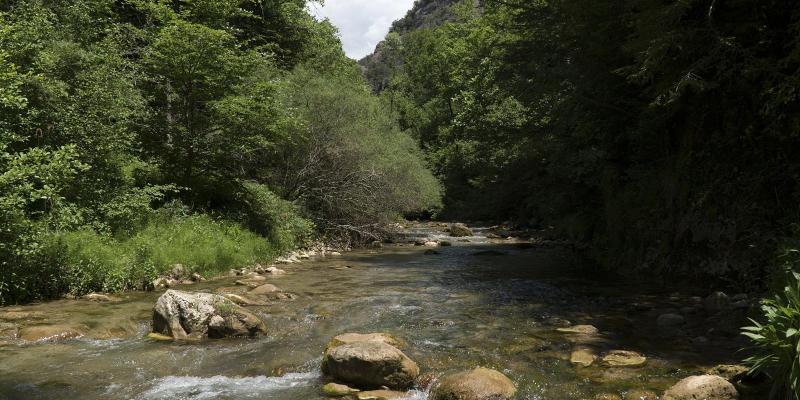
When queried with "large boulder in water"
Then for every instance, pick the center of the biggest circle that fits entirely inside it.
(459, 230)
(185, 315)
(347, 338)
(478, 384)
(368, 361)
(705, 387)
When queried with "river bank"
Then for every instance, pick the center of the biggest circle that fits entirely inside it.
(506, 304)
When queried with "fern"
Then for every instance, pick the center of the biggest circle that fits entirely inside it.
(777, 341)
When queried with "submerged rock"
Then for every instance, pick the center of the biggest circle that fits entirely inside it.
(185, 315)
(159, 337)
(370, 364)
(639, 394)
(252, 282)
(582, 357)
(731, 372)
(100, 298)
(526, 344)
(459, 230)
(380, 395)
(50, 332)
(607, 396)
(337, 390)
(579, 330)
(477, 384)
(8, 330)
(670, 320)
(21, 315)
(244, 300)
(624, 358)
(705, 387)
(264, 288)
(275, 271)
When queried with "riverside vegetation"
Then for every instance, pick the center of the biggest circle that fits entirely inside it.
(135, 135)
(659, 138)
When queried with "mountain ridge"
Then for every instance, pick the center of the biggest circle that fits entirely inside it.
(425, 14)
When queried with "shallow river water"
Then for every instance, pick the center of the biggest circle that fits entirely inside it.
(478, 303)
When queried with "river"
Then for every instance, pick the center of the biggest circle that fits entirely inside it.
(493, 303)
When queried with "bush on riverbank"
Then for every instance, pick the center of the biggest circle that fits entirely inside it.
(85, 261)
(776, 339)
(109, 110)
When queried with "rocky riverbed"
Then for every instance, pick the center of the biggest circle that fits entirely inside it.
(463, 308)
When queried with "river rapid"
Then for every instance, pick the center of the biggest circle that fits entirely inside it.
(480, 302)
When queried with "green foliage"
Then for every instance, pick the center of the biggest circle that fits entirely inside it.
(94, 262)
(274, 217)
(352, 167)
(776, 341)
(84, 261)
(658, 133)
(112, 112)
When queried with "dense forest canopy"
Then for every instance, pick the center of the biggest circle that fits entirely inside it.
(663, 134)
(136, 134)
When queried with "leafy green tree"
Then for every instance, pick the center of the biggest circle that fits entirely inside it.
(351, 168)
(193, 69)
(112, 111)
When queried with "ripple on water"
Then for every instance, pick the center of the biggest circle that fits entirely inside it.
(215, 387)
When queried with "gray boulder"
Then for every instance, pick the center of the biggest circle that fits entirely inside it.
(187, 316)
(478, 384)
(459, 230)
(370, 364)
(670, 320)
(705, 387)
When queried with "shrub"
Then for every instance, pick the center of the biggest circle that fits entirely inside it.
(350, 166)
(100, 263)
(275, 218)
(85, 261)
(777, 341)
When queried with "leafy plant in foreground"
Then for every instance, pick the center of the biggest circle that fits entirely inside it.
(777, 341)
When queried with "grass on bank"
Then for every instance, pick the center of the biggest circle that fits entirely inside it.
(93, 262)
(84, 261)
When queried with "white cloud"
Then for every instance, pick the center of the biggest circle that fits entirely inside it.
(362, 23)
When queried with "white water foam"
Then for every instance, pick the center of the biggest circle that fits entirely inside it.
(416, 395)
(196, 388)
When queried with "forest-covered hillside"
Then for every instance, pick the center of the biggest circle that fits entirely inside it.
(381, 65)
(138, 134)
(661, 134)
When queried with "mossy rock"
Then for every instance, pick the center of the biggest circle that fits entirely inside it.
(337, 390)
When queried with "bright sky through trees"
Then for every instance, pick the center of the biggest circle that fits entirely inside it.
(362, 23)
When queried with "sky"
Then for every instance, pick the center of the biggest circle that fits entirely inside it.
(362, 23)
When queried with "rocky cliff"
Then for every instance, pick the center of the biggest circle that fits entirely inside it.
(379, 66)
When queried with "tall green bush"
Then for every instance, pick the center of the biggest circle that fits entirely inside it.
(275, 218)
(350, 166)
(111, 111)
(83, 261)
